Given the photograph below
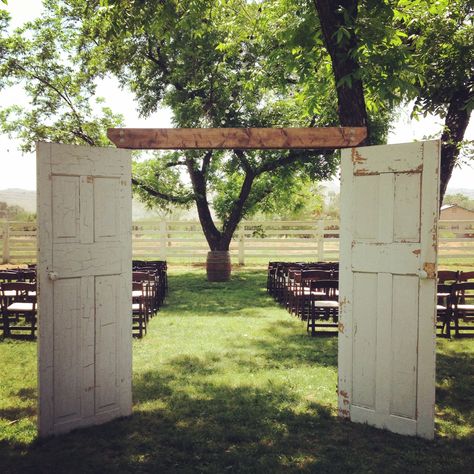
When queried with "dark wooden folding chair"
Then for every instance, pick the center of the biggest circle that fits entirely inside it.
(149, 288)
(466, 276)
(444, 308)
(325, 307)
(463, 306)
(27, 275)
(8, 276)
(139, 310)
(18, 302)
(448, 276)
(306, 290)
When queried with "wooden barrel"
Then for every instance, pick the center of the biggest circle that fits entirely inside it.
(218, 265)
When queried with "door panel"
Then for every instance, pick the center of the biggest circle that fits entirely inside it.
(84, 280)
(106, 212)
(406, 217)
(66, 207)
(389, 208)
(67, 352)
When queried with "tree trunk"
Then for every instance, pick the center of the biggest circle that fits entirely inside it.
(350, 93)
(198, 181)
(455, 124)
(236, 213)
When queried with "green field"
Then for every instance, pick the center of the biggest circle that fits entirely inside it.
(226, 381)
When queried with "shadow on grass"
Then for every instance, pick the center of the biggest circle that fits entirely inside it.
(283, 348)
(221, 428)
(455, 392)
(185, 423)
(191, 293)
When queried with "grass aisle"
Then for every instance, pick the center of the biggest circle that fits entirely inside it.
(225, 381)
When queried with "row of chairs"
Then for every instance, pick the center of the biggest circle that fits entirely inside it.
(149, 288)
(455, 303)
(310, 291)
(18, 299)
(307, 290)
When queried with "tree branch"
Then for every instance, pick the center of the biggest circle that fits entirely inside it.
(237, 210)
(198, 181)
(293, 156)
(206, 161)
(65, 97)
(164, 196)
(243, 159)
(170, 164)
(455, 124)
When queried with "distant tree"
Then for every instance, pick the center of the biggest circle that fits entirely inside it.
(461, 200)
(332, 205)
(16, 213)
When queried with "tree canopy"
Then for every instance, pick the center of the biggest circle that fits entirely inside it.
(235, 63)
(404, 50)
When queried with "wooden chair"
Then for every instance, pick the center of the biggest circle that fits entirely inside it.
(463, 305)
(324, 307)
(448, 276)
(149, 289)
(466, 276)
(159, 286)
(27, 275)
(444, 308)
(18, 301)
(8, 276)
(160, 266)
(271, 277)
(139, 310)
(307, 290)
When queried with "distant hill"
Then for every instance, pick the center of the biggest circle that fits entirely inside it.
(467, 192)
(19, 197)
(27, 200)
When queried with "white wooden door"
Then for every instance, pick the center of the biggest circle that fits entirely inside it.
(389, 211)
(84, 275)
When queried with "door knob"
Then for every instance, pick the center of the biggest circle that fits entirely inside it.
(53, 276)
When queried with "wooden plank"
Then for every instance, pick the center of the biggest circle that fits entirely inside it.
(45, 292)
(346, 283)
(426, 375)
(239, 138)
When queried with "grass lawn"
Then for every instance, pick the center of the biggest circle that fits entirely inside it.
(226, 381)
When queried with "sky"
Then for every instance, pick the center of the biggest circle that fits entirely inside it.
(18, 170)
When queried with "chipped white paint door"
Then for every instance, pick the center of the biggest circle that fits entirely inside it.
(84, 275)
(389, 209)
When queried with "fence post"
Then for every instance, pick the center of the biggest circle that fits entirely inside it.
(163, 239)
(320, 240)
(6, 243)
(242, 244)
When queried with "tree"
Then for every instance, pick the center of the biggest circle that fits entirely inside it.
(63, 107)
(207, 60)
(215, 63)
(461, 200)
(402, 50)
(440, 36)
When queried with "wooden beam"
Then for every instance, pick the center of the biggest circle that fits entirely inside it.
(236, 138)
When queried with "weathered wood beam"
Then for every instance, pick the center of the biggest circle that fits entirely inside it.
(236, 138)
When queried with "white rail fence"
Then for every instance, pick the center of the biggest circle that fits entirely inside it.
(254, 241)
